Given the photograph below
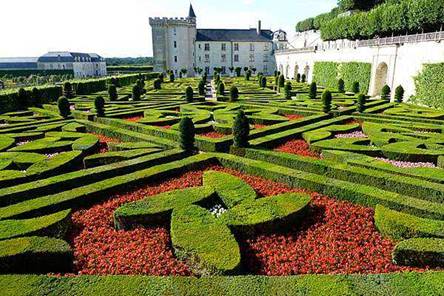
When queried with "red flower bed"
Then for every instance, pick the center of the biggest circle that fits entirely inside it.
(103, 142)
(259, 126)
(166, 126)
(294, 116)
(213, 135)
(336, 237)
(299, 147)
(134, 119)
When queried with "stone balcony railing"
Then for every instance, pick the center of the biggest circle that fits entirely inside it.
(387, 41)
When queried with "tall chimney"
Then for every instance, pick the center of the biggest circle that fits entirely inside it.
(259, 27)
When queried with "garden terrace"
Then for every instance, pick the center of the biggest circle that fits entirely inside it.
(339, 201)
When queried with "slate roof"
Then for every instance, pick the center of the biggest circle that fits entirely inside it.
(191, 13)
(18, 63)
(239, 35)
(67, 57)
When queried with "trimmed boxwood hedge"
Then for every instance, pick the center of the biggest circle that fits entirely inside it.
(397, 225)
(158, 209)
(208, 245)
(395, 284)
(53, 225)
(230, 189)
(71, 180)
(420, 252)
(35, 255)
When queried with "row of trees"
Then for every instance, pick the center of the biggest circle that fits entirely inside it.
(376, 18)
(402, 16)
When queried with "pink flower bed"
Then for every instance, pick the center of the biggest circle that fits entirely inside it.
(357, 134)
(407, 164)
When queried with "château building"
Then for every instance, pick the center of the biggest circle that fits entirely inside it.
(178, 44)
(80, 64)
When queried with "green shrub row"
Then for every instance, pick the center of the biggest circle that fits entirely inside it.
(356, 193)
(116, 156)
(388, 180)
(276, 138)
(87, 194)
(398, 226)
(420, 252)
(53, 225)
(396, 284)
(35, 255)
(386, 19)
(68, 181)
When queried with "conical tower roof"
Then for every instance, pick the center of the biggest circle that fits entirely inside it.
(191, 13)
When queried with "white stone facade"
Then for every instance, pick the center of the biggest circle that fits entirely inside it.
(178, 44)
(395, 61)
(83, 65)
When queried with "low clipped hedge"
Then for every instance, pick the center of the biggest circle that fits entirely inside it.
(157, 209)
(356, 193)
(420, 252)
(397, 284)
(68, 181)
(35, 255)
(208, 245)
(53, 225)
(116, 156)
(87, 194)
(398, 226)
(229, 188)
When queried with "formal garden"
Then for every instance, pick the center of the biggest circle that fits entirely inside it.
(151, 184)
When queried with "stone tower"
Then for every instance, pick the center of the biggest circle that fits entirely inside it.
(173, 43)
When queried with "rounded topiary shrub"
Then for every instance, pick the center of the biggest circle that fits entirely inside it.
(99, 103)
(221, 89)
(112, 92)
(189, 94)
(263, 82)
(248, 75)
(187, 134)
(326, 101)
(298, 77)
(64, 107)
(281, 80)
(356, 87)
(385, 92)
(241, 130)
(303, 78)
(157, 84)
(161, 77)
(172, 77)
(234, 94)
(201, 88)
(361, 103)
(67, 90)
(313, 90)
(22, 99)
(399, 94)
(341, 85)
(287, 90)
(36, 97)
(136, 93)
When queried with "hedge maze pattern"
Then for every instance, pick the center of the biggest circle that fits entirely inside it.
(389, 157)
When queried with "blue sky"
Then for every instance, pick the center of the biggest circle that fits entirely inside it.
(120, 28)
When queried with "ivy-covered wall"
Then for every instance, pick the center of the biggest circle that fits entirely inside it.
(360, 72)
(429, 86)
(328, 73)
